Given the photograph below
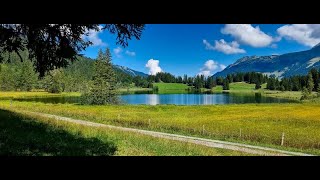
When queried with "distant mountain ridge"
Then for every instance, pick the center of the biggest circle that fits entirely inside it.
(129, 71)
(123, 69)
(285, 65)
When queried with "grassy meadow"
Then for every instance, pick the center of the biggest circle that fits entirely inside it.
(260, 124)
(257, 124)
(164, 88)
(17, 94)
(29, 135)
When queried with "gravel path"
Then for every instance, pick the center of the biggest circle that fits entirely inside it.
(259, 150)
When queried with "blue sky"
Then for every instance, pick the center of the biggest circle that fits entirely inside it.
(202, 48)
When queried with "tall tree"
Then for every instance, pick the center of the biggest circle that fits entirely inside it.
(310, 83)
(56, 45)
(103, 89)
(226, 84)
(27, 76)
(315, 77)
(54, 81)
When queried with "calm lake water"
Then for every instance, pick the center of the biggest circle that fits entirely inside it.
(178, 99)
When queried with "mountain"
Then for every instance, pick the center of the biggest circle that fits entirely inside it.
(296, 63)
(117, 68)
(129, 71)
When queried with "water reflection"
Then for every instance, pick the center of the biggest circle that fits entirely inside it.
(199, 99)
(152, 99)
(178, 99)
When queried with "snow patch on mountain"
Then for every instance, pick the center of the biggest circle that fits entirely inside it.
(312, 61)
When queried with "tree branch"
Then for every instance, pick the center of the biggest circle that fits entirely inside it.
(18, 55)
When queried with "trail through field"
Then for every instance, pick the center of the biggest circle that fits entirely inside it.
(195, 140)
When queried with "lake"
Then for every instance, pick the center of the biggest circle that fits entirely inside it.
(178, 99)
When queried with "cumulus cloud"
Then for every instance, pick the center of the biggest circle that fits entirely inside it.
(209, 67)
(153, 66)
(306, 34)
(222, 67)
(93, 36)
(247, 34)
(225, 47)
(117, 51)
(130, 53)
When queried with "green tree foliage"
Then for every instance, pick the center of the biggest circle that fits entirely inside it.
(315, 77)
(77, 77)
(185, 79)
(54, 81)
(306, 94)
(199, 82)
(225, 85)
(190, 81)
(55, 45)
(310, 83)
(7, 78)
(258, 85)
(27, 77)
(103, 88)
(219, 80)
(16, 75)
(209, 83)
(165, 77)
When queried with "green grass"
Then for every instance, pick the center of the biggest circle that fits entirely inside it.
(17, 94)
(134, 89)
(242, 87)
(171, 87)
(261, 124)
(29, 135)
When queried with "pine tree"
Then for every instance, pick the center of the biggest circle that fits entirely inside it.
(27, 76)
(53, 81)
(226, 84)
(315, 77)
(258, 85)
(103, 90)
(310, 84)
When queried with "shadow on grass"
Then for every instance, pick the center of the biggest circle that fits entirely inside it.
(22, 136)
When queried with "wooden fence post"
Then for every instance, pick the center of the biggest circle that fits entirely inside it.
(282, 139)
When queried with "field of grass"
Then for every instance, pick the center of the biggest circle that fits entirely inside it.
(261, 124)
(171, 87)
(135, 89)
(16, 94)
(29, 135)
(242, 87)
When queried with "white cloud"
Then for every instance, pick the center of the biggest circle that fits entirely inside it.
(306, 34)
(208, 45)
(130, 53)
(205, 73)
(247, 34)
(117, 51)
(153, 66)
(209, 67)
(225, 47)
(222, 67)
(94, 38)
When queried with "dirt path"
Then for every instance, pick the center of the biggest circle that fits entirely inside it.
(195, 140)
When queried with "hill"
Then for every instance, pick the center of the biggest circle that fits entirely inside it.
(285, 65)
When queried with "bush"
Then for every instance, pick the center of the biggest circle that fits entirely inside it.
(305, 94)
